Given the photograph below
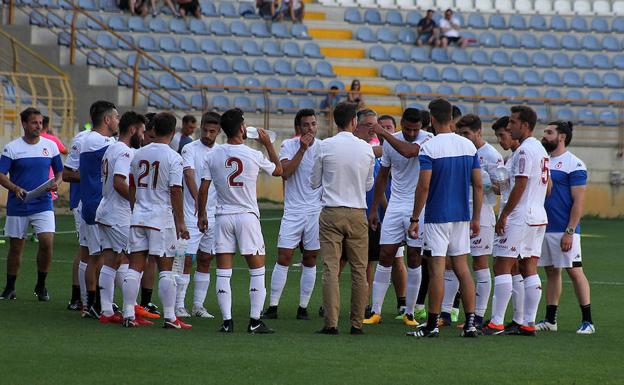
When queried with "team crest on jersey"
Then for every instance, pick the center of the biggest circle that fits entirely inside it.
(558, 165)
(45, 152)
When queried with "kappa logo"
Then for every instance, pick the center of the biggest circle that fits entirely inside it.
(476, 242)
(45, 152)
(221, 291)
(253, 289)
(487, 247)
(125, 155)
(513, 249)
(558, 165)
(502, 240)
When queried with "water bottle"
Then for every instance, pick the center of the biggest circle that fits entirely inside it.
(489, 198)
(252, 133)
(502, 179)
(180, 255)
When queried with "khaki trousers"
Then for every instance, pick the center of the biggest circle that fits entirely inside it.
(344, 227)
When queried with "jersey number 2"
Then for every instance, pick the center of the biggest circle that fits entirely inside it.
(144, 166)
(237, 165)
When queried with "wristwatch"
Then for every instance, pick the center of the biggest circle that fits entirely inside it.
(412, 220)
(569, 230)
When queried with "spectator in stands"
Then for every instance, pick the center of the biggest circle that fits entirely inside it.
(449, 28)
(266, 8)
(135, 7)
(169, 3)
(189, 7)
(355, 95)
(293, 9)
(426, 29)
(332, 98)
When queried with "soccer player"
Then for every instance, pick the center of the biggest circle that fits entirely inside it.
(24, 165)
(521, 225)
(233, 168)
(200, 244)
(157, 219)
(562, 244)
(300, 222)
(449, 165)
(113, 213)
(405, 172)
(105, 121)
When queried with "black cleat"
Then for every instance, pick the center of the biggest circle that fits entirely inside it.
(227, 326)
(302, 313)
(356, 331)
(115, 308)
(329, 331)
(42, 294)
(151, 308)
(321, 312)
(258, 327)
(270, 313)
(8, 294)
(424, 332)
(91, 313)
(512, 329)
(470, 332)
(528, 331)
(129, 323)
(75, 305)
(368, 312)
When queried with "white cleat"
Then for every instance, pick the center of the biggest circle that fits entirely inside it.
(545, 326)
(586, 328)
(182, 312)
(201, 312)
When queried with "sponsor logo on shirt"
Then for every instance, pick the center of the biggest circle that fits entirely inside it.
(45, 152)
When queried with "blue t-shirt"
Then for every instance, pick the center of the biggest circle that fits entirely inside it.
(92, 151)
(28, 166)
(566, 171)
(451, 159)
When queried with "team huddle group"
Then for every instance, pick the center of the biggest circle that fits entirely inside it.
(369, 193)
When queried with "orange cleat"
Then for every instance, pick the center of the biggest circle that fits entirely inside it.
(141, 312)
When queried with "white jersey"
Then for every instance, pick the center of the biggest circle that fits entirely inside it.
(299, 196)
(234, 169)
(531, 161)
(404, 171)
(113, 208)
(73, 157)
(155, 169)
(490, 160)
(193, 156)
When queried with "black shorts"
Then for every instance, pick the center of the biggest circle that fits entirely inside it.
(124, 5)
(190, 8)
(452, 39)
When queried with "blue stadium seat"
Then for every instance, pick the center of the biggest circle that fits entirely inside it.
(158, 59)
(409, 72)
(531, 78)
(447, 90)
(159, 25)
(239, 28)
(540, 60)
(199, 64)
(467, 91)
(616, 96)
(471, 75)
(271, 48)
(178, 63)
(198, 27)
(612, 80)
(412, 18)
(480, 57)
(285, 105)
(549, 41)
(517, 22)
(501, 58)
(600, 24)
(592, 79)
(595, 96)
(407, 36)
(353, 16)
(491, 76)
(386, 35)
(608, 117)
(247, 10)
(570, 42)
(250, 48)
(189, 82)
(303, 68)
(118, 24)
(169, 82)
(280, 31)
(423, 89)
(323, 68)
(312, 50)
(300, 32)
(157, 101)
(104, 40)
(565, 114)
(294, 84)
(617, 25)
(451, 74)
(230, 47)
(460, 56)
(91, 24)
(115, 62)
(274, 83)
(574, 96)
(532, 93)
(259, 29)
(252, 82)
(148, 81)
(210, 47)
(580, 60)
(476, 21)
(561, 60)
(132, 59)
(81, 21)
(208, 8)
(38, 19)
(590, 43)
(529, 40)
(219, 28)
(262, 67)
(509, 40)
(336, 83)
(488, 39)
(394, 17)
(373, 17)
(306, 103)
(390, 72)
(558, 23)
(420, 55)
(618, 61)
(291, 49)
(123, 79)
(220, 103)
(430, 73)
(511, 76)
(227, 9)
(378, 52)
(520, 59)
(95, 59)
(189, 45)
(538, 23)
(402, 88)
(147, 43)
(210, 81)
(262, 105)
(510, 93)
(572, 79)
(231, 83)
(241, 66)
(587, 116)
(109, 6)
(244, 103)
(610, 43)
(137, 24)
(553, 94)
(283, 67)
(579, 24)
(221, 65)
(315, 84)
(440, 55)
(365, 34)
(498, 22)
(169, 44)
(398, 54)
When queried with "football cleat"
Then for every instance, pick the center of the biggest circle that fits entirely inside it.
(408, 320)
(116, 318)
(302, 313)
(181, 312)
(420, 313)
(152, 308)
(470, 332)
(492, 329)
(8, 294)
(258, 327)
(201, 312)
(454, 314)
(129, 323)
(444, 320)
(176, 324)
(75, 305)
(545, 326)
(400, 313)
(142, 321)
(586, 328)
(270, 313)
(424, 332)
(42, 294)
(144, 313)
(528, 331)
(328, 331)
(374, 319)
(512, 328)
(227, 326)
(356, 331)
(90, 313)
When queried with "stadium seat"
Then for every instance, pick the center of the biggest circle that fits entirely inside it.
(158, 59)
(538, 23)
(420, 55)
(582, 7)
(262, 105)
(581, 60)
(91, 24)
(137, 24)
(323, 68)
(565, 114)
(244, 103)
(451, 74)
(280, 31)
(210, 81)
(291, 49)
(248, 10)
(231, 83)
(250, 48)
(315, 84)
(398, 54)
(510, 93)
(402, 88)
(252, 84)
(608, 117)
(423, 89)
(520, 59)
(89, 5)
(105, 41)
(542, 114)
(572, 79)
(198, 27)
(590, 43)
(303, 68)
(480, 57)
(271, 48)
(511, 76)
(531, 78)
(230, 47)
(476, 21)
(115, 62)
(552, 78)
(372, 17)
(618, 61)
(497, 21)
(467, 92)
(592, 79)
(430, 73)
(274, 83)
(532, 93)
(570, 42)
(259, 29)
(553, 94)
(517, 22)
(95, 59)
(285, 105)
(238, 28)
(169, 44)
(147, 43)
(295, 86)
(312, 50)
(208, 9)
(612, 80)
(118, 24)
(509, 40)
(365, 34)
(446, 90)
(601, 61)
(579, 24)
(460, 56)
(390, 72)
(529, 40)
(221, 65)
(394, 17)
(562, 7)
(587, 116)
(148, 81)
(353, 16)
(169, 82)
(609, 43)
(549, 41)
(300, 32)
(378, 52)
(262, 67)
(123, 79)
(541, 60)
(132, 59)
(600, 24)
(488, 39)
(226, 9)
(189, 45)
(558, 23)
(491, 76)
(561, 60)
(210, 47)
(484, 5)
(241, 66)
(178, 63)
(220, 103)
(409, 72)
(471, 75)
(501, 58)
(109, 6)
(189, 83)
(283, 67)
(306, 103)
(159, 25)
(386, 35)
(218, 27)
(602, 7)
(407, 36)
(81, 21)
(199, 64)
(157, 101)
(574, 96)
(440, 55)
(413, 17)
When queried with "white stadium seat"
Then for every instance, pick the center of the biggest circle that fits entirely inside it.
(618, 7)
(445, 4)
(406, 4)
(367, 3)
(602, 7)
(543, 6)
(504, 6)
(484, 5)
(425, 4)
(582, 7)
(348, 3)
(386, 4)
(464, 5)
(562, 7)
(523, 6)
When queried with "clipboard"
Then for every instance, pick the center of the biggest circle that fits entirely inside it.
(38, 191)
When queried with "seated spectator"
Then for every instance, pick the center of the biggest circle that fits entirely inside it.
(426, 29)
(355, 96)
(266, 8)
(189, 7)
(135, 7)
(332, 98)
(449, 29)
(169, 3)
(293, 9)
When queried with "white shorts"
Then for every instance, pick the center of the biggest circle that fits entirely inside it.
(17, 227)
(553, 256)
(482, 244)
(207, 242)
(299, 227)
(90, 237)
(239, 229)
(161, 243)
(114, 237)
(201, 241)
(447, 239)
(394, 229)
(519, 240)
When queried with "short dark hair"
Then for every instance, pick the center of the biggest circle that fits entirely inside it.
(411, 115)
(457, 113)
(302, 114)
(564, 127)
(46, 121)
(188, 119)
(231, 120)
(210, 117)
(149, 117)
(24, 115)
(387, 117)
(472, 121)
(164, 124)
(526, 114)
(99, 110)
(425, 118)
(344, 112)
(128, 119)
(441, 110)
(501, 122)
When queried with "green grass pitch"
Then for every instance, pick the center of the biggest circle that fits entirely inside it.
(42, 343)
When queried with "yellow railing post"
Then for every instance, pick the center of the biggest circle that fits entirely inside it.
(72, 42)
(267, 108)
(14, 49)
(11, 11)
(135, 79)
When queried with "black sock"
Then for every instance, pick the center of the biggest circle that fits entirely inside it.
(400, 302)
(551, 313)
(446, 316)
(11, 282)
(90, 298)
(146, 296)
(432, 321)
(456, 301)
(75, 293)
(470, 321)
(97, 304)
(586, 311)
(41, 277)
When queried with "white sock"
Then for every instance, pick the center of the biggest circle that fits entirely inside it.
(483, 286)
(381, 282)
(130, 290)
(502, 293)
(106, 282)
(419, 307)
(202, 283)
(119, 277)
(257, 292)
(82, 269)
(308, 279)
(414, 276)
(182, 282)
(517, 296)
(451, 287)
(224, 292)
(167, 293)
(532, 295)
(278, 281)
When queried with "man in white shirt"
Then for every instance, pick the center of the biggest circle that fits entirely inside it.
(233, 168)
(302, 207)
(157, 219)
(343, 168)
(449, 28)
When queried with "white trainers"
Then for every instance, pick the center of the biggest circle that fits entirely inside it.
(201, 312)
(545, 326)
(182, 312)
(586, 328)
